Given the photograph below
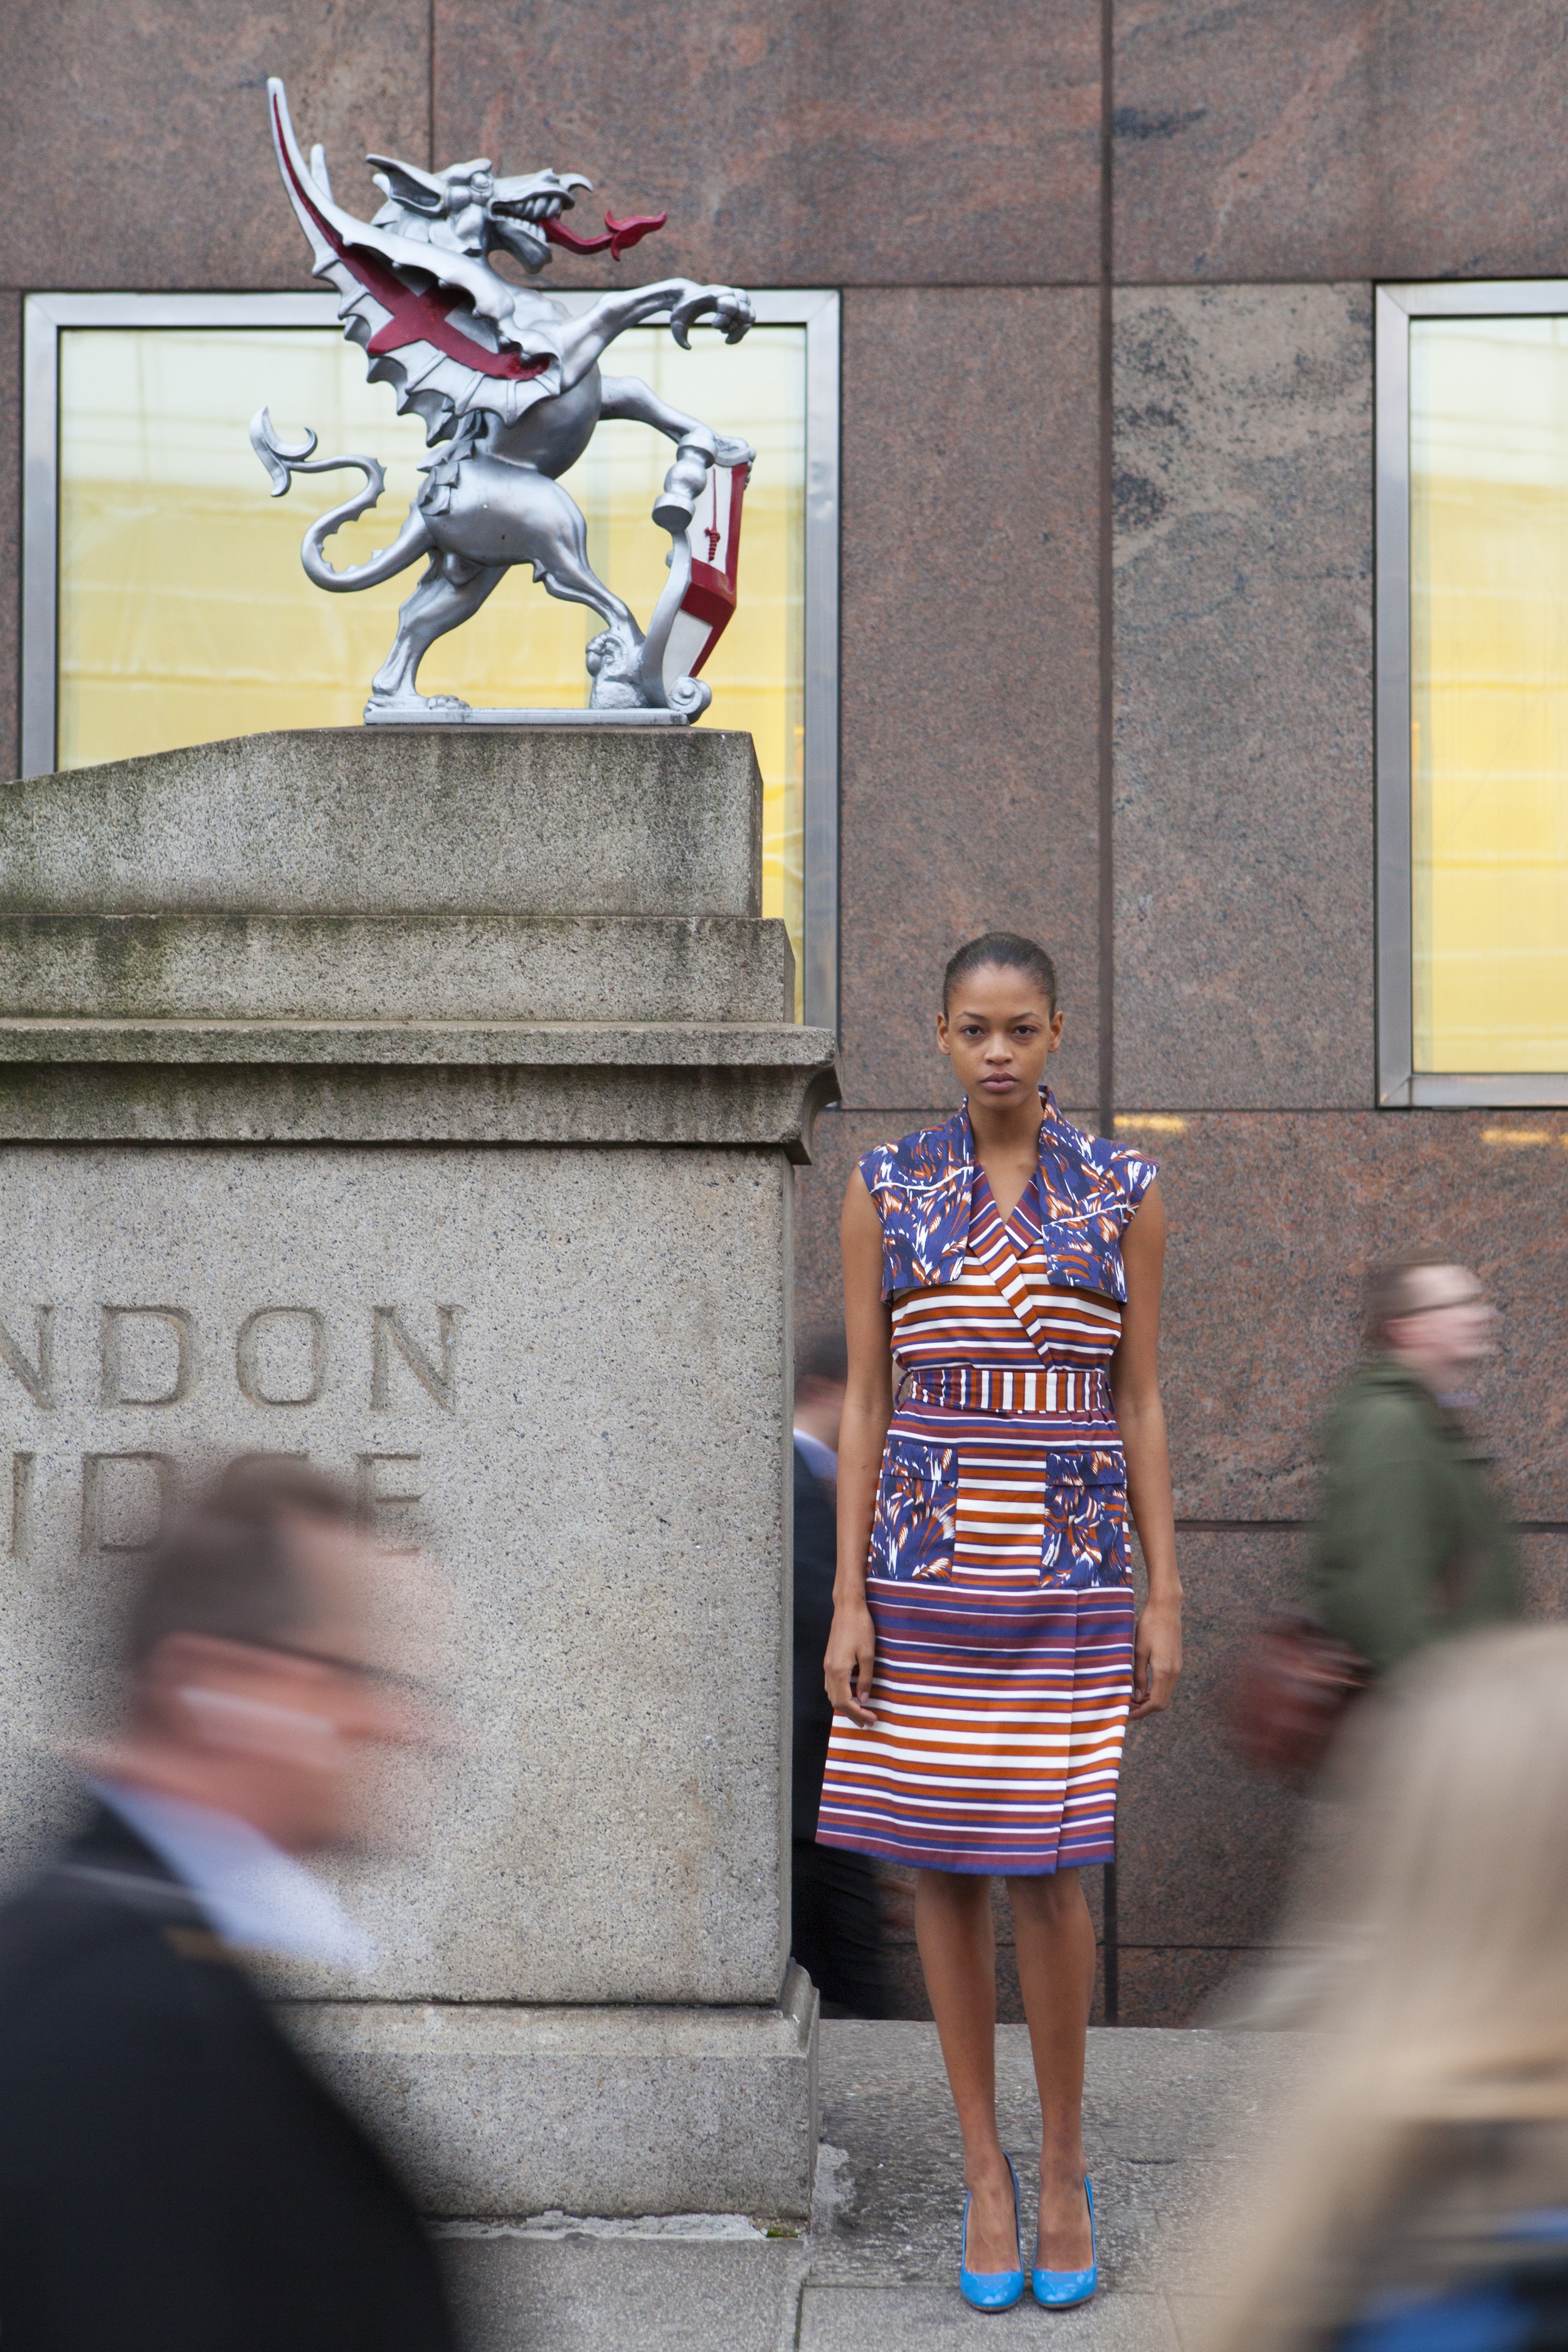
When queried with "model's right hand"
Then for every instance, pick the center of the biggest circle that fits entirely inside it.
(851, 1656)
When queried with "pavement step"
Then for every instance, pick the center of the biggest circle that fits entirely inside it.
(1173, 2121)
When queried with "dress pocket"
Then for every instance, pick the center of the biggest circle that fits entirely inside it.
(917, 1512)
(1085, 1536)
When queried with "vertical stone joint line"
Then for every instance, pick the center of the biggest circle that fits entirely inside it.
(1106, 962)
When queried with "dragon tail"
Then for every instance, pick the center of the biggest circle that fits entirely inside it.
(283, 460)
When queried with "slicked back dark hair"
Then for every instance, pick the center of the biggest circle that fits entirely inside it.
(1003, 950)
(228, 1567)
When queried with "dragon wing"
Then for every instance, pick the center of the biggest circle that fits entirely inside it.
(436, 324)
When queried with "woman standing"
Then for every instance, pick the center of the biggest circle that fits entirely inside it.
(982, 1661)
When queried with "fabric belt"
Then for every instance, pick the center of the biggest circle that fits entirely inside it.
(976, 1388)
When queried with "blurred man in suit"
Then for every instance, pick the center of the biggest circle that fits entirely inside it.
(836, 1918)
(172, 2176)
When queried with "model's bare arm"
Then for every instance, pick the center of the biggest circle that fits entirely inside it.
(1135, 1382)
(868, 1410)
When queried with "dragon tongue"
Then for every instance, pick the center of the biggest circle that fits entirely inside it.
(622, 234)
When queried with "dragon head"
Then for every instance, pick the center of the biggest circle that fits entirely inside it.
(469, 210)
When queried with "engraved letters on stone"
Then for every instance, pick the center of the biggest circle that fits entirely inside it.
(152, 1357)
(34, 1376)
(125, 1359)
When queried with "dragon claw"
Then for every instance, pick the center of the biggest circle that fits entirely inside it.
(731, 310)
(386, 703)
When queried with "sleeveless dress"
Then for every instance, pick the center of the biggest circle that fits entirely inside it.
(997, 1578)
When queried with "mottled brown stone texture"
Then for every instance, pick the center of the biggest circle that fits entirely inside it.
(970, 671)
(1244, 808)
(803, 143)
(1275, 1218)
(1323, 139)
(134, 145)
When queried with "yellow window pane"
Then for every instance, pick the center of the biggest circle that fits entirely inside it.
(184, 614)
(1489, 612)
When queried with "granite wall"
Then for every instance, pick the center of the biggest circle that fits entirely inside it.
(1268, 160)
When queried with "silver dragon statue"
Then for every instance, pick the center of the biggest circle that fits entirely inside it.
(510, 384)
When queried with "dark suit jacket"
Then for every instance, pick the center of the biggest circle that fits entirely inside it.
(815, 1561)
(170, 2174)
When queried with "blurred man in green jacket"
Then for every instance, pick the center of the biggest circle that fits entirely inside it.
(1413, 1543)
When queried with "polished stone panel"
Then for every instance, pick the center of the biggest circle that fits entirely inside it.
(970, 663)
(134, 145)
(1244, 851)
(1315, 139)
(1165, 1985)
(800, 144)
(1274, 1219)
(1202, 1844)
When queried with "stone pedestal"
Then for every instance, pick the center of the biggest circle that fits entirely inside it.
(425, 1102)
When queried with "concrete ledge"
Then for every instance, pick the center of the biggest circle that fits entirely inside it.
(229, 967)
(496, 2112)
(469, 819)
(138, 1100)
(513, 1045)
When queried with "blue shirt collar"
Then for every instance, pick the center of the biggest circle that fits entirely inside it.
(819, 1459)
(254, 1893)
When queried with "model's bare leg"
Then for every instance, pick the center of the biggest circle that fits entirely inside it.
(957, 1954)
(450, 590)
(1054, 1938)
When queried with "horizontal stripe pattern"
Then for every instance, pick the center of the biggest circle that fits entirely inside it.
(1004, 1668)
(969, 1323)
(1000, 1722)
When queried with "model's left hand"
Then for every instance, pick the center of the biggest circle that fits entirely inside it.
(1156, 1657)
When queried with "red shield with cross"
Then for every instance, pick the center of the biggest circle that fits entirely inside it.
(713, 536)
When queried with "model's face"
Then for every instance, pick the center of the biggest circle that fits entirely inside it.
(999, 1033)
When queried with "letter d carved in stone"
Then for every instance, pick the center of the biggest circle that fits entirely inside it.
(117, 1327)
(250, 1370)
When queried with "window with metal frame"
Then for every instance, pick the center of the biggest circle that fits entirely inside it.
(1472, 693)
(165, 603)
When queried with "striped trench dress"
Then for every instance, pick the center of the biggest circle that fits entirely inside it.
(997, 1578)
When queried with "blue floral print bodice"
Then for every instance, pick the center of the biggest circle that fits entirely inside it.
(1085, 1192)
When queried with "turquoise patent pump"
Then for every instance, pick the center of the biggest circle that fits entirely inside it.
(1060, 2290)
(991, 2290)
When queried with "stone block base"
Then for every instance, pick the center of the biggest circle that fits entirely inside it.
(496, 2112)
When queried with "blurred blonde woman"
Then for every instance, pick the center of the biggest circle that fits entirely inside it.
(1423, 2205)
